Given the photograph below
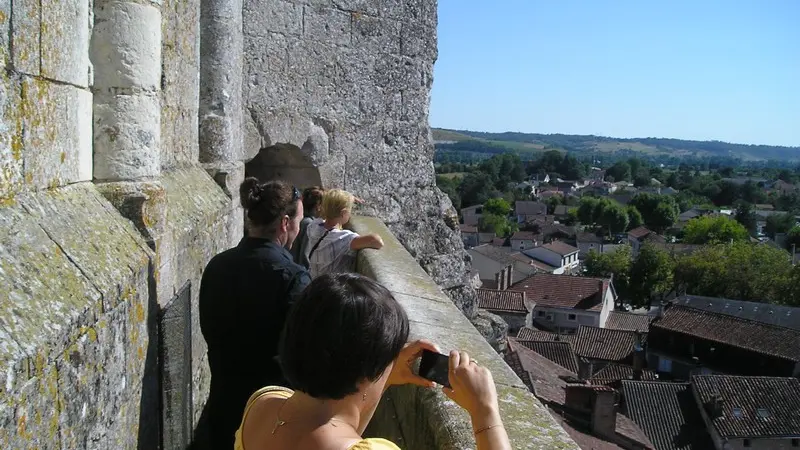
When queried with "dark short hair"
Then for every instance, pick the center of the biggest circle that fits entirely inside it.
(266, 202)
(344, 328)
(312, 197)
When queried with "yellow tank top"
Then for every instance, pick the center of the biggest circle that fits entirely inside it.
(282, 392)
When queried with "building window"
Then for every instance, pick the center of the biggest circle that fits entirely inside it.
(572, 317)
(540, 313)
(549, 317)
(746, 443)
(737, 412)
(664, 365)
(762, 413)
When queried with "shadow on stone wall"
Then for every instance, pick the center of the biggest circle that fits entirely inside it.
(284, 162)
(149, 404)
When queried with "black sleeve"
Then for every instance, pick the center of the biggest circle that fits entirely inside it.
(297, 285)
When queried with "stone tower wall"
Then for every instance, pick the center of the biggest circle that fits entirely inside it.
(347, 83)
(123, 138)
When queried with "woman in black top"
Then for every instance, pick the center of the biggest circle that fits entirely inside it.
(245, 295)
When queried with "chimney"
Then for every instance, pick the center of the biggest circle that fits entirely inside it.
(510, 273)
(497, 280)
(503, 281)
(638, 356)
(604, 414)
(714, 406)
(585, 369)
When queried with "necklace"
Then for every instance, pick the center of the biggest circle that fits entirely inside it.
(279, 423)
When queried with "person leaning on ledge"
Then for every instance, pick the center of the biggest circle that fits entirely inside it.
(333, 248)
(344, 343)
(245, 295)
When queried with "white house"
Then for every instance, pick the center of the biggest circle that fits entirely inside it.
(557, 254)
(588, 242)
(563, 302)
(526, 210)
(524, 240)
(472, 214)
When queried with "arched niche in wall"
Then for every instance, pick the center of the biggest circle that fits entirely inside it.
(284, 162)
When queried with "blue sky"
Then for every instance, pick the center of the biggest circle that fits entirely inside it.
(724, 70)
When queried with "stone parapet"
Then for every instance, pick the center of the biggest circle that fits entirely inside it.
(418, 418)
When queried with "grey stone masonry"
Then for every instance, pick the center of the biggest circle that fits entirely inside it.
(347, 83)
(417, 418)
(126, 53)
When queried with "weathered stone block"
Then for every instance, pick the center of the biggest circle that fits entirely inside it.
(26, 34)
(36, 415)
(127, 136)
(277, 16)
(95, 381)
(56, 124)
(5, 26)
(180, 53)
(11, 160)
(376, 33)
(268, 53)
(79, 220)
(415, 105)
(126, 46)
(331, 26)
(65, 41)
(419, 41)
(43, 288)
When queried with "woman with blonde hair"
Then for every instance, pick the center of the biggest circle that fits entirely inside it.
(344, 344)
(331, 247)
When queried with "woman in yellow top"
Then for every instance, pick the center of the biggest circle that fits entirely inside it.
(344, 343)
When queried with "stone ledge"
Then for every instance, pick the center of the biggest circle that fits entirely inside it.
(421, 418)
(73, 331)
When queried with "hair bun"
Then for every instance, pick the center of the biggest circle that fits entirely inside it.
(250, 192)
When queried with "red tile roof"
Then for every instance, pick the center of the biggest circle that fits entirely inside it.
(513, 361)
(560, 353)
(667, 413)
(561, 248)
(613, 372)
(752, 407)
(734, 331)
(526, 236)
(639, 232)
(549, 386)
(618, 320)
(604, 343)
(501, 301)
(563, 291)
(529, 334)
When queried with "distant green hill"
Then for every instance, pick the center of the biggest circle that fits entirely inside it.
(527, 143)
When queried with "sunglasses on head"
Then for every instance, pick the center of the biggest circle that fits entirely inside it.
(296, 194)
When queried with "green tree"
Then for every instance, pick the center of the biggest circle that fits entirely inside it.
(747, 217)
(613, 217)
(651, 276)
(740, 271)
(586, 210)
(552, 202)
(499, 225)
(634, 218)
(665, 214)
(659, 212)
(621, 171)
(616, 264)
(450, 187)
(793, 238)
(714, 230)
(779, 223)
(497, 206)
(475, 189)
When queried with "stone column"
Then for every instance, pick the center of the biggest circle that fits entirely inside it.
(220, 110)
(126, 53)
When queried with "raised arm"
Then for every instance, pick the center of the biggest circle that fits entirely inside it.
(367, 241)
